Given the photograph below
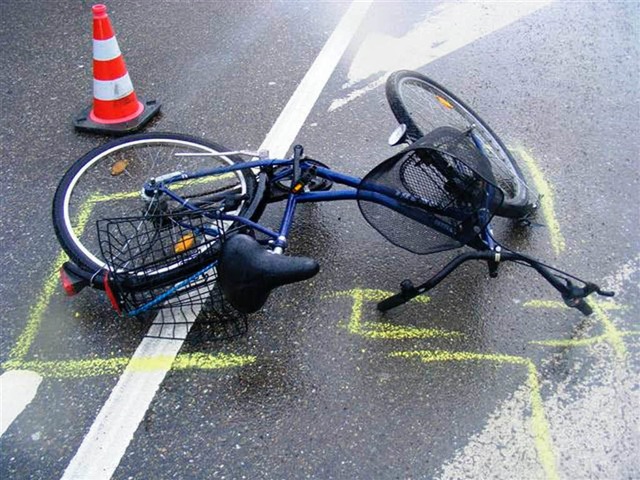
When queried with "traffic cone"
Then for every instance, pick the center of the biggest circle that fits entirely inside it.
(116, 107)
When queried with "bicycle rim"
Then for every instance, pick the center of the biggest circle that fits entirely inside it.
(423, 106)
(107, 183)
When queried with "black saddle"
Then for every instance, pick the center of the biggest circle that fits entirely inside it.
(247, 272)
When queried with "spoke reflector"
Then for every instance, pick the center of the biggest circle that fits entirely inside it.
(444, 102)
(185, 243)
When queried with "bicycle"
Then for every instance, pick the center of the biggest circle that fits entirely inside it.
(174, 230)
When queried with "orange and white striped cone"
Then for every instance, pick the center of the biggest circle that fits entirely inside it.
(116, 107)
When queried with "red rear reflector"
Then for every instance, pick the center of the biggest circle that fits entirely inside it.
(110, 295)
(68, 285)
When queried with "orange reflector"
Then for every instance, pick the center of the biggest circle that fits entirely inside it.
(444, 102)
(185, 243)
(297, 187)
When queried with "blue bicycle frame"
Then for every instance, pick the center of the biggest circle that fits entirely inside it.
(478, 235)
(359, 190)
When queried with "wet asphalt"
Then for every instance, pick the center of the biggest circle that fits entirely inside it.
(328, 395)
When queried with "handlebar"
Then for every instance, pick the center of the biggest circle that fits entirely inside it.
(572, 295)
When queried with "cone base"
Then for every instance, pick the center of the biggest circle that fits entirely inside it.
(86, 124)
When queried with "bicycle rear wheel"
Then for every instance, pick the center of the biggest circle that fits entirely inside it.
(105, 185)
(423, 105)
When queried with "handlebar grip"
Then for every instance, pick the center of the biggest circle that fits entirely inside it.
(392, 302)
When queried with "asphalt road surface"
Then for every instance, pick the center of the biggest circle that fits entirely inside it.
(484, 378)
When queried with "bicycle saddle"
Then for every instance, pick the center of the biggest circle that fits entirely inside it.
(247, 272)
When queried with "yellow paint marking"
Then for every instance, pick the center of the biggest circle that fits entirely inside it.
(606, 306)
(545, 304)
(600, 308)
(387, 331)
(211, 362)
(546, 202)
(115, 366)
(582, 342)
(84, 368)
(610, 331)
(447, 356)
(539, 423)
(397, 332)
(83, 216)
(99, 197)
(36, 312)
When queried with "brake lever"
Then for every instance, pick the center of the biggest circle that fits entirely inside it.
(589, 288)
(593, 288)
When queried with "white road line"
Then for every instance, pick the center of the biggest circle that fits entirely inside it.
(448, 27)
(284, 131)
(103, 447)
(17, 389)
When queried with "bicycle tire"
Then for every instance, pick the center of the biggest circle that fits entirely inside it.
(105, 184)
(417, 101)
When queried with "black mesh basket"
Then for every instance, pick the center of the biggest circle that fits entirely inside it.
(443, 180)
(166, 265)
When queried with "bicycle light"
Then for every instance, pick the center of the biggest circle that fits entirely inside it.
(71, 283)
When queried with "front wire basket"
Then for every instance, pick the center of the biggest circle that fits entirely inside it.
(447, 172)
(150, 261)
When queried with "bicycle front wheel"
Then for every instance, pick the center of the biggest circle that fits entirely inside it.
(106, 183)
(423, 105)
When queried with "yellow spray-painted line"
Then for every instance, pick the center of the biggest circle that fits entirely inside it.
(539, 423)
(546, 201)
(611, 334)
(36, 313)
(384, 330)
(83, 215)
(115, 366)
(556, 304)
(610, 331)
